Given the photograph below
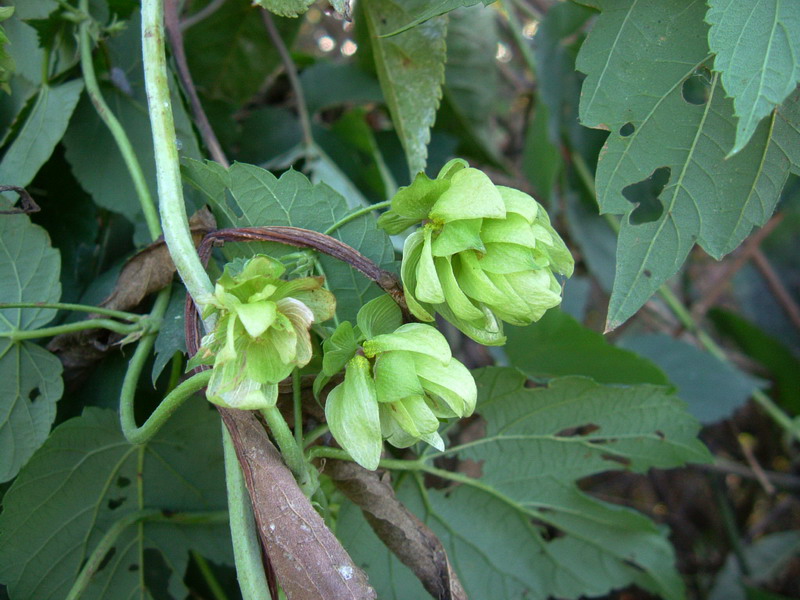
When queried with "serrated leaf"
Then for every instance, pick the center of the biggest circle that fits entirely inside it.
(262, 199)
(712, 389)
(757, 48)
(555, 435)
(285, 8)
(417, 12)
(230, 55)
(410, 69)
(638, 86)
(558, 345)
(85, 478)
(42, 130)
(30, 377)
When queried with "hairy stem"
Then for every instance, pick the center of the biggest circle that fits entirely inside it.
(290, 450)
(32, 334)
(114, 126)
(356, 214)
(116, 314)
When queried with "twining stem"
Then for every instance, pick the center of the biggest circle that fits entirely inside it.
(294, 80)
(208, 575)
(244, 533)
(290, 450)
(165, 409)
(297, 406)
(356, 214)
(16, 335)
(515, 26)
(687, 320)
(116, 314)
(170, 192)
(114, 126)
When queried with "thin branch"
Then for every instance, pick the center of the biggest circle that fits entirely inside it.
(294, 80)
(175, 36)
(201, 14)
(776, 286)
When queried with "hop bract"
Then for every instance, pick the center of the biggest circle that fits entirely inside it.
(262, 331)
(485, 253)
(397, 386)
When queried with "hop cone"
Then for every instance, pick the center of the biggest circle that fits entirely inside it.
(484, 254)
(262, 331)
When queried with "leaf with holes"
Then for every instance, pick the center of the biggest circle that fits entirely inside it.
(757, 48)
(539, 533)
(664, 165)
(86, 478)
(30, 377)
(259, 198)
(410, 69)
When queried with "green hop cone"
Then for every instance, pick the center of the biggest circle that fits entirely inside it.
(399, 382)
(485, 253)
(262, 331)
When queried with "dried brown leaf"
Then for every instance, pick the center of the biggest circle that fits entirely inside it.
(410, 539)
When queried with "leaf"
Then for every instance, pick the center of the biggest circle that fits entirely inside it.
(261, 199)
(640, 83)
(555, 435)
(419, 12)
(757, 48)
(229, 53)
(558, 345)
(171, 337)
(42, 130)
(712, 389)
(541, 159)
(285, 8)
(93, 154)
(30, 377)
(327, 84)
(766, 557)
(86, 477)
(411, 72)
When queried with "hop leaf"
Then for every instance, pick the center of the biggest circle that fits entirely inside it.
(485, 253)
(262, 331)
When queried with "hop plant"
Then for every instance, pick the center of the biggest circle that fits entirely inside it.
(262, 331)
(399, 381)
(485, 253)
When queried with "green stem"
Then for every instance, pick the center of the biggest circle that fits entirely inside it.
(170, 192)
(687, 320)
(313, 435)
(523, 44)
(114, 126)
(297, 405)
(16, 335)
(103, 547)
(137, 362)
(208, 576)
(246, 544)
(167, 407)
(116, 314)
(356, 214)
(290, 451)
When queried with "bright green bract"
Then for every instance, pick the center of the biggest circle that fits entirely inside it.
(262, 332)
(485, 253)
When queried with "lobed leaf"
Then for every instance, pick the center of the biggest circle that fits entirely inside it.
(757, 48)
(87, 477)
(665, 165)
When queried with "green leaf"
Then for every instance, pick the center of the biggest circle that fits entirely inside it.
(171, 337)
(229, 52)
(538, 443)
(30, 377)
(285, 8)
(411, 72)
(378, 316)
(558, 345)
(43, 129)
(418, 12)
(641, 83)
(262, 199)
(327, 84)
(712, 389)
(757, 48)
(339, 349)
(87, 477)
